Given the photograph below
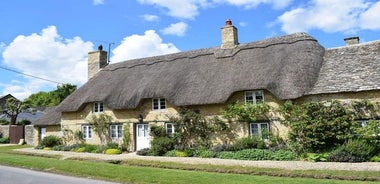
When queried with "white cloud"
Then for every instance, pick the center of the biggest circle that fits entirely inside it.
(187, 9)
(139, 46)
(150, 18)
(277, 4)
(332, 16)
(178, 29)
(48, 55)
(370, 18)
(97, 2)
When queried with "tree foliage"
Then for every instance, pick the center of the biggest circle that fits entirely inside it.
(52, 98)
(13, 108)
(316, 126)
(195, 130)
(100, 123)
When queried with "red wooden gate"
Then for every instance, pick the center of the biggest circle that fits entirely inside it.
(15, 134)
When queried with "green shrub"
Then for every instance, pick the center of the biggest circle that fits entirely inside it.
(39, 147)
(81, 150)
(51, 141)
(284, 155)
(58, 147)
(354, 150)
(181, 154)
(375, 158)
(143, 152)
(157, 131)
(161, 145)
(171, 153)
(253, 154)
(317, 157)
(207, 154)
(246, 143)
(222, 147)
(90, 148)
(112, 151)
(226, 155)
(4, 140)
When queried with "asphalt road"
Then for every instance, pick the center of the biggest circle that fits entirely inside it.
(12, 175)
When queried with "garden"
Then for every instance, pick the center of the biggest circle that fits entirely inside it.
(318, 131)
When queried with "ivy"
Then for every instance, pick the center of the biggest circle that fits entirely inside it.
(247, 112)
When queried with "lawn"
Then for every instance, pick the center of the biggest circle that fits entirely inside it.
(153, 173)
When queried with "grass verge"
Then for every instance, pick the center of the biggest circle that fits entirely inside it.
(136, 171)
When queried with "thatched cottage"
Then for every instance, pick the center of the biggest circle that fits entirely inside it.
(146, 91)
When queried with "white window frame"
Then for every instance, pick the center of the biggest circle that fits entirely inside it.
(116, 131)
(169, 131)
(98, 107)
(87, 131)
(362, 122)
(260, 128)
(254, 95)
(160, 103)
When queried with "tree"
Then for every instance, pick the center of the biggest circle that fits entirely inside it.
(12, 109)
(100, 124)
(51, 98)
(317, 126)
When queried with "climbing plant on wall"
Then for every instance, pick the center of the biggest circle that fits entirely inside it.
(100, 123)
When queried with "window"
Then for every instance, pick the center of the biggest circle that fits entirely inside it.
(169, 129)
(362, 123)
(159, 103)
(116, 131)
(260, 130)
(253, 97)
(98, 107)
(87, 131)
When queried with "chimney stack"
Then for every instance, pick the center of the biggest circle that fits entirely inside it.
(352, 40)
(229, 36)
(96, 61)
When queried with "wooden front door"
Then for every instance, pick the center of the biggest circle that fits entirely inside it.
(142, 136)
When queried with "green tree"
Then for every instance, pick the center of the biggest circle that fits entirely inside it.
(13, 108)
(101, 125)
(51, 98)
(317, 126)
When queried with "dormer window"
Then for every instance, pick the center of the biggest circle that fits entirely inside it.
(253, 97)
(98, 107)
(159, 103)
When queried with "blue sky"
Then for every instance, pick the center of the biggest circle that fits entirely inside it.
(51, 39)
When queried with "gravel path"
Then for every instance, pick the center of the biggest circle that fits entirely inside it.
(291, 165)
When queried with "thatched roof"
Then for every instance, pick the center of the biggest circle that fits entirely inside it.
(350, 69)
(287, 66)
(51, 117)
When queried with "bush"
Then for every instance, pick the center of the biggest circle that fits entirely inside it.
(317, 157)
(112, 151)
(90, 148)
(375, 158)
(81, 150)
(226, 155)
(161, 145)
(356, 150)
(181, 154)
(157, 131)
(4, 140)
(171, 153)
(51, 141)
(143, 152)
(39, 147)
(246, 143)
(58, 147)
(284, 155)
(222, 147)
(207, 154)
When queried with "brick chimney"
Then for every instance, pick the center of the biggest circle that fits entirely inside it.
(352, 40)
(96, 61)
(229, 36)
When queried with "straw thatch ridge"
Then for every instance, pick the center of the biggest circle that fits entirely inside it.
(350, 69)
(286, 66)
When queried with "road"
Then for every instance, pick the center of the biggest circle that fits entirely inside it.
(12, 175)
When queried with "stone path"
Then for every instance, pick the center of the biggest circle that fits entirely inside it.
(291, 165)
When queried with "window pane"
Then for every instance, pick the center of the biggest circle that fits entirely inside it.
(89, 132)
(248, 97)
(162, 103)
(119, 131)
(155, 104)
(254, 129)
(100, 107)
(96, 107)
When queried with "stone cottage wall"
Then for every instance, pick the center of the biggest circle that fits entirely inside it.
(29, 135)
(4, 130)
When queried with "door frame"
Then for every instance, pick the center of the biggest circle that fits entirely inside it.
(135, 126)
